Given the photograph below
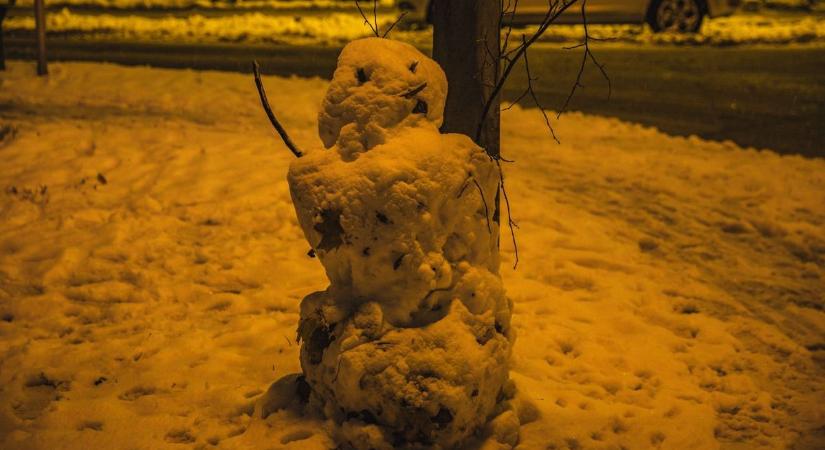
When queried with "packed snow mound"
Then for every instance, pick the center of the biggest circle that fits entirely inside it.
(390, 386)
(379, 84)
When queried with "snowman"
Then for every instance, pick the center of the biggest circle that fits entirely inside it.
(409, 345)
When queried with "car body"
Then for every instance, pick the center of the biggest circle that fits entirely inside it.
(654, 12)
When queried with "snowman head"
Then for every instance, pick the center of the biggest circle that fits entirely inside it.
(380, 84)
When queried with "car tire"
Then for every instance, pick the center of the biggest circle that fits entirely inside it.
(680, 16)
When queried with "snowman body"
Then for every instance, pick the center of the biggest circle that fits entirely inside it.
(410, 342)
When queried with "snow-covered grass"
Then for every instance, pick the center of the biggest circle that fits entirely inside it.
(211, 4)
(739, 29)
(732, 30)
(332, 28)
(337, 28)
(669, 294)
(803, 5)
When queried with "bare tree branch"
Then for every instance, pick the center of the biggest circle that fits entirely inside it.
(375, 15)
(505, 10)
(394, 24)
(552, 14)
(484, 200)
(533, 93)
(256, 70)
(374, 29)
(510, 222)
(585, 56)
(518, 99)
(511, 58)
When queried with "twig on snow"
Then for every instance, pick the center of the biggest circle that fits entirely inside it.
(486, 209)
(510, 222)
(256, 70)
(483, 199)
(414, 91)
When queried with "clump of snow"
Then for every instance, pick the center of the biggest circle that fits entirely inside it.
(410, 342)
(670, 290)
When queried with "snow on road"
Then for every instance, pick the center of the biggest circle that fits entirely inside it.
(210, 4)
(339, 27)
(327, 29)
(669, 292)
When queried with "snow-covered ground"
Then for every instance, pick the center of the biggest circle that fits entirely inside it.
(336, 28)
(669, 292)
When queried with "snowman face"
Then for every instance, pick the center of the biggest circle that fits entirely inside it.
(380, 84)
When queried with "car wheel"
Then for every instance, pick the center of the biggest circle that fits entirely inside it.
(681, 16)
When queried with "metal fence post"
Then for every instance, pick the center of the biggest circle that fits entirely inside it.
(40, 21)
(3, 9)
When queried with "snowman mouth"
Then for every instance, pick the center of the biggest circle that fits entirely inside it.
(412, 92)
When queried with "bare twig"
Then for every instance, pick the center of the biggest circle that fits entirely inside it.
(337, 369)
(412, 92)
(585, 56)
(374, 29)
(518, 99)
(394, 24)
(256, 70)
(512, 12)
(552, 14)
(483, 199)
(511, 58)
(510, 222)
(433, 291)
(464, 186)
(486, 210)
(533, 93)
(375, 15)
(491, 58)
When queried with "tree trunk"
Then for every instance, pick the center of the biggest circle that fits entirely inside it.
(466, 42)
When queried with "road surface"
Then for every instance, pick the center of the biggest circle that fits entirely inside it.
(763, 97)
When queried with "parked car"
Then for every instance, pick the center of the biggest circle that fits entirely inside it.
(662, 15)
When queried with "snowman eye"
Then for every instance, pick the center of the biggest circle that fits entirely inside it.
(361, 75)
(420, 107)
(413, 66)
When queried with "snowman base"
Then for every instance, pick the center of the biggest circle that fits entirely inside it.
(432, 385)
